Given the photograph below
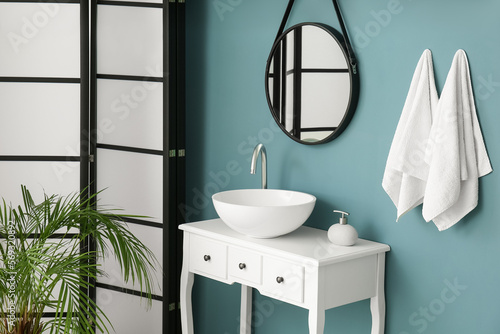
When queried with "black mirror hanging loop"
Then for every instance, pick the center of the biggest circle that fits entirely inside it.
(350, 51)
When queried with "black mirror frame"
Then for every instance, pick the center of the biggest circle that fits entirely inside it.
(353, 75)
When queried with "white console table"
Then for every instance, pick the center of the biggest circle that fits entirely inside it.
(301, 268)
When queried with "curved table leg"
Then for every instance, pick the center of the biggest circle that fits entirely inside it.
(377, 303)
(316, 321)
(186, 288)
(246, 310)
(187, 280)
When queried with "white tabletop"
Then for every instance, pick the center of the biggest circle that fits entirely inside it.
(305, 243)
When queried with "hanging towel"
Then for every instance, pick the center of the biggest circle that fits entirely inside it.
(406, 169)
(457, 155)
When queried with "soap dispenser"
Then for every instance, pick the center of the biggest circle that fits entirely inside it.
(342, 234)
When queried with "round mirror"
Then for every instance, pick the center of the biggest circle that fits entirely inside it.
(311, 88)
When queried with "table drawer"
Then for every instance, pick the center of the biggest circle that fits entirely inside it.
(207, 256)
(244, 265)
(283, 280)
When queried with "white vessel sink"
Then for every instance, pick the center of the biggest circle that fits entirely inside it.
(263, 213)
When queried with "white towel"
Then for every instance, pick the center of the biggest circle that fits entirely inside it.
(457, 155)
(406, 170)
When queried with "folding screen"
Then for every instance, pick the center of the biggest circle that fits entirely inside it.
(100, 111)
(135, 148)
(42, 97)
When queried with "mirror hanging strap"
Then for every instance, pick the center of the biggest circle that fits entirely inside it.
(350, 51)
(285, 18)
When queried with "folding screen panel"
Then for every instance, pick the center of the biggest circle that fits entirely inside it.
(42, 97)
(135, 149)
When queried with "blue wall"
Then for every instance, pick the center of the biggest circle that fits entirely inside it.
(228, 42)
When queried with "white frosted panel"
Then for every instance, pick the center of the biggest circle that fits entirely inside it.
(289, 103)
(290, 51)
(39, 119)
(132, 182)
(320, 49)
(40, 40)
(129, 314)
(47, 331)
(130, 113)
(58, 177)
(129, 41)
(325, 100)
(270, 81)
(44, 320)
(61, 230)
(151, 237)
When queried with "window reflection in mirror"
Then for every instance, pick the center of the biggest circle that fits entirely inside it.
(311, 89)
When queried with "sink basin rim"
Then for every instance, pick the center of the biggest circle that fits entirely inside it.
(264, 195)
(248, 211)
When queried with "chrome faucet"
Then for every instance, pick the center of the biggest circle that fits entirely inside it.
(262, 150)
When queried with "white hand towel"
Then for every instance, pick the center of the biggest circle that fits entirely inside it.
(406, 170)
(457, 155)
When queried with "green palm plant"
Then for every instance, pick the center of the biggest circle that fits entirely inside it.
(46, 264)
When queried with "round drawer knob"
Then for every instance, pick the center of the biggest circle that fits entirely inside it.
(280, 279)
(242, 266)
(206, 257)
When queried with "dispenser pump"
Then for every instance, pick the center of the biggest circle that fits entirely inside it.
(343, 219)
(342, 234)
